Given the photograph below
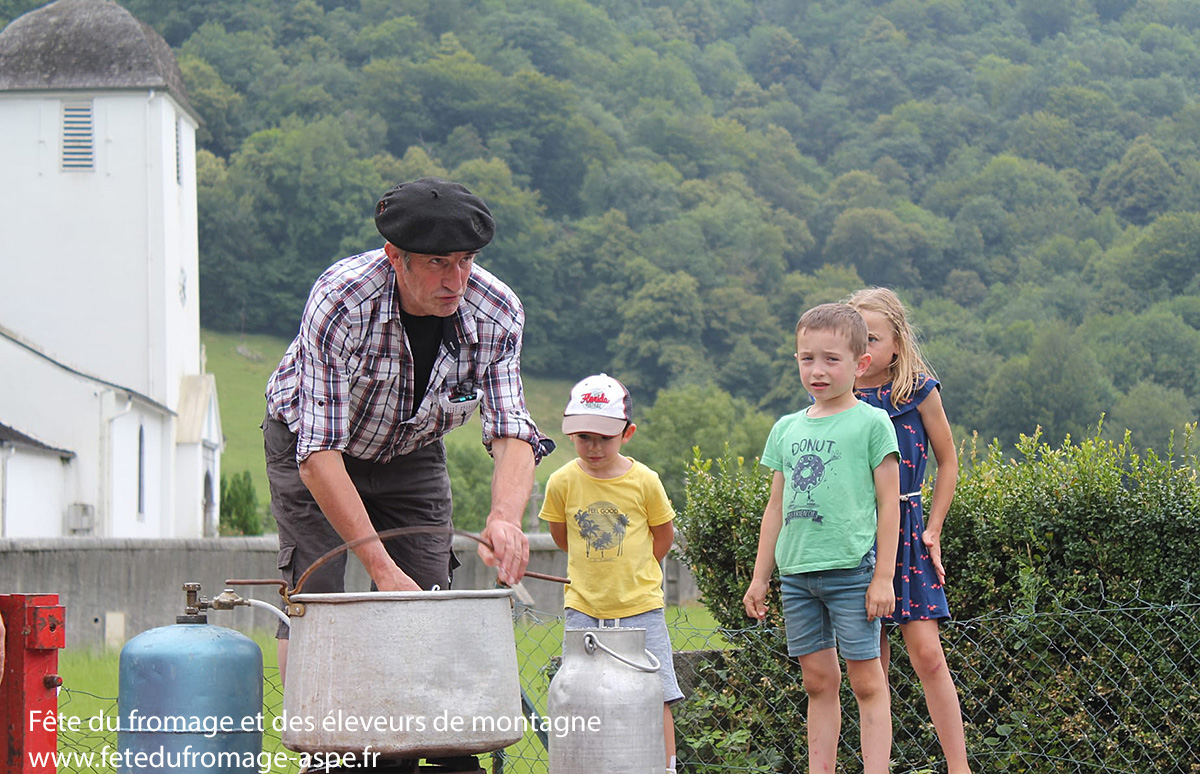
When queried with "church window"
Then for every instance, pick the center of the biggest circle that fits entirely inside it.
(78, 137)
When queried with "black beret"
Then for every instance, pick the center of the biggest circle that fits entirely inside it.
(434, 216)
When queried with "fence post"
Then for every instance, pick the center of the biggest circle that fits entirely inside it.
(35, 630)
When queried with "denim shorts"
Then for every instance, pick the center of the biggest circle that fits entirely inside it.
(658, 641)
(828, 609)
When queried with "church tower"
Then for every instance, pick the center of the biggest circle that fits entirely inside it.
(99, 314)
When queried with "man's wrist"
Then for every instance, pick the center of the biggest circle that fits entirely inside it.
(500, 517)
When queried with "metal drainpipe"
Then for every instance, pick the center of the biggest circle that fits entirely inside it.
(6, 453)
(150, 166)
(107, 398)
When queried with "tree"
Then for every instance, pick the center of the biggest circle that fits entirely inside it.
(1165, 254)
(644, 74)
(696, 415)
(740, 243)
(1035, 202)
(218, 102)
(1047, 138)
(11, 9)
(1009, 88)
(1046, 18)
(1058, 386)
(246, 60)
(878, 244)
(1156, 417)
(660, 336)
(772, 55)
(239, 505)
(1140, 186)
(1111, 10)
(288, 204)
(646, 192)
(1087, 108)
(1154, 346)
(595, 263)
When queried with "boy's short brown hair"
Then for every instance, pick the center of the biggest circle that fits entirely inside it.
(840, 318)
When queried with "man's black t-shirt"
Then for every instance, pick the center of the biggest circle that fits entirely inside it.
(424, 339)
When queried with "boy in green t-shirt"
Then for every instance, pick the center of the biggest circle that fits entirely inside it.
(835, 497)
(611, 515)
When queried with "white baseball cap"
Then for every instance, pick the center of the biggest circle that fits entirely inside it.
(599, 404)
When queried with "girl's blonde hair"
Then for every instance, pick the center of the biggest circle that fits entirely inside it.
(910, 370)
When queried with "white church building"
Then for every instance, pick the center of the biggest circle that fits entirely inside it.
(109, 425)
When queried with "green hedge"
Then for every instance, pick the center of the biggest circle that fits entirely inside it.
(1090, 521)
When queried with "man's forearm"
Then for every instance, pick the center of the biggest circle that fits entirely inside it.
(512, 479)
(324, 473)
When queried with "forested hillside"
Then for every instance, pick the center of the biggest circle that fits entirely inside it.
(676, 180)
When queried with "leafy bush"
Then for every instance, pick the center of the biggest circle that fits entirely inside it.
(1091, 521)
(239, 505)
(719, 530)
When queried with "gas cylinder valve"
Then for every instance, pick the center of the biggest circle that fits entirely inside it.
(228, 600)
(194, 606)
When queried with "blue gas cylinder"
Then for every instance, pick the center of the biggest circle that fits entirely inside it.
(190, 699)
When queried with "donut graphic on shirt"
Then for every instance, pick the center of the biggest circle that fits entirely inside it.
(808, 473)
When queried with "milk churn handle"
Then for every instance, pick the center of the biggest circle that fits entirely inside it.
(391, 533)
(590, 642)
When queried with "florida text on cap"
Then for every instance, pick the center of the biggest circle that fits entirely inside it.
(599, 404)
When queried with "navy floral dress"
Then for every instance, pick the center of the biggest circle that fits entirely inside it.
(919, 594)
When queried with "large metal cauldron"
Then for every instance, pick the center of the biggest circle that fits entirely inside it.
(407, 674)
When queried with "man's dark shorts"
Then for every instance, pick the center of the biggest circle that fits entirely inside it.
(410, 490)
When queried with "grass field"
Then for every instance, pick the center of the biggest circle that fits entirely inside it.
(90, 683)
(242, 365)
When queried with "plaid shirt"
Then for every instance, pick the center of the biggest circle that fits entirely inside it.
(346, 381)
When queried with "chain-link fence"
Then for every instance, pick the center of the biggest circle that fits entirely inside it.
(1113, 688)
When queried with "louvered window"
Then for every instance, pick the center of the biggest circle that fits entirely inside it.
(78, 144)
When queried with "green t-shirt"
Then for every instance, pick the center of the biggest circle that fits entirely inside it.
(828, 464)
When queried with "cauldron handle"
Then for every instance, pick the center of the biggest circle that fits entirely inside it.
(395, 532)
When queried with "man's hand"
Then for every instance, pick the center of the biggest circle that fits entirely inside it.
(510, 550)
(392, 578)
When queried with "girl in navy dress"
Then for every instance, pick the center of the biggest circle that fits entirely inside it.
(899, 381)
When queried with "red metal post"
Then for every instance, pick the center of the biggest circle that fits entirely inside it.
(34, 631)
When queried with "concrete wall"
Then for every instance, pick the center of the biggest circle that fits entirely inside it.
(115, 588)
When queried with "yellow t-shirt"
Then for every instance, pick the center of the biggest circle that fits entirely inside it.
(610, 551)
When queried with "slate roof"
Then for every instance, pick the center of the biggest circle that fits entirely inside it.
(86, 44)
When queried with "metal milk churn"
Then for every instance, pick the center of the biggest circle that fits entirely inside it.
(606, 705)
(190, 698)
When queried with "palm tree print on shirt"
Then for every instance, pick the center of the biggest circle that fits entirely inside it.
(602, 527)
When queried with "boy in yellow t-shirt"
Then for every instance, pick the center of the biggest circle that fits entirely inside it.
(612, 516)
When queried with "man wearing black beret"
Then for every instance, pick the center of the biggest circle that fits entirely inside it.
(398, 346)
